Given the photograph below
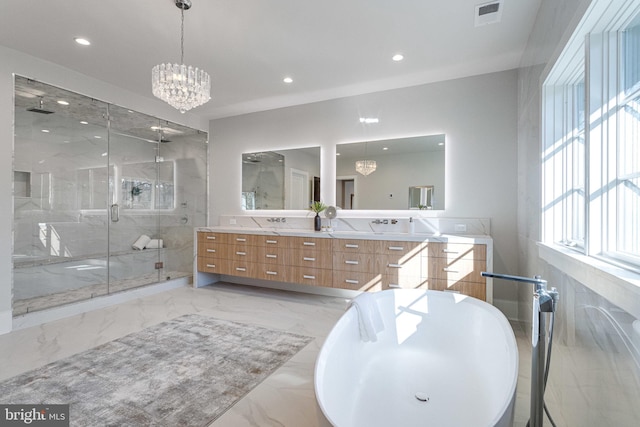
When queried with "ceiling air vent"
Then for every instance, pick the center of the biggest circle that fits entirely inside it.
(488, 13)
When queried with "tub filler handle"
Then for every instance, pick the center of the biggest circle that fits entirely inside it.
(351, 281)
(350, 262)
(306, 276)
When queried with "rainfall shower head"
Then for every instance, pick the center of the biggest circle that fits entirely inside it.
(40, 110)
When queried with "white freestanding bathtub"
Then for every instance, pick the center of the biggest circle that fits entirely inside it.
(443, 359)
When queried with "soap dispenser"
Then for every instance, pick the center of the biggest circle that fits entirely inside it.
(412, 226)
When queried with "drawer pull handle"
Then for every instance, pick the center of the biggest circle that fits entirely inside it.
(272, 256)
(351, 245)
(350, 262)
(211, 237)
(272, 242)
(396, 248)
(394, 285)
(450, 270)
(240, 239)
(308, 259)
(449, 251)
(241, 253)
(351, 281)
(308, 243)
(306, 276)
(211, 250)
(272, 273)
(211, 265)
(241, 269)
(394, 265)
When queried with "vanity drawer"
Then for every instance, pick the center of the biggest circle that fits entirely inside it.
(407, 265)
(461, 270)
(314, 243)
(271, 241)
(476, 290)
(453, 251)
(354, 246)
(213, 265)
(310, 276)
(309, 258)
(211, 248)
(346, 261)
(393, 281)
(241, 268)
(208, 236)
(243, 239)
(270, 272)
(357, 281)
(270, 255)
(238, 252)
(400, 248)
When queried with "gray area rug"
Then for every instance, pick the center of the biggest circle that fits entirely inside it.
(183, 372)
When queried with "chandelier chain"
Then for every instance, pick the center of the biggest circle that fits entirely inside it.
(182, 36)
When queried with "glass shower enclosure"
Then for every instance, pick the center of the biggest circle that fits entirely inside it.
(105, 198)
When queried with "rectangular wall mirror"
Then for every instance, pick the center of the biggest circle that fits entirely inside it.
(282, 179)
(380, 174)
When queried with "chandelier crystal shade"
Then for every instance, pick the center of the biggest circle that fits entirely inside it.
(365, 167)
(181, 86)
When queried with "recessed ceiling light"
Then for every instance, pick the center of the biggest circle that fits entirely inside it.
(337, 154)
(97, 136)
(369, 120)
(440, 143)
(82, 41)
(287, 80)
(63, 102)
(45, 130)
(84, 123)
(398, 57)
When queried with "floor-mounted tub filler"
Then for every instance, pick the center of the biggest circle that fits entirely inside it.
(435, 359)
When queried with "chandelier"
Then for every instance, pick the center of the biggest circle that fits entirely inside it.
(183, 87)
(365, 167)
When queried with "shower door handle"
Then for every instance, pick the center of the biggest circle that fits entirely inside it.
(115, 213)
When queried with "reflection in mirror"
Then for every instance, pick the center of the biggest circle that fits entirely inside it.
(420, 197)
(283, 179)
(400, 163)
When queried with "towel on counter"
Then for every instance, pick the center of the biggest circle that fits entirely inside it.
(154, 244)
(141, 242)
(369, 318)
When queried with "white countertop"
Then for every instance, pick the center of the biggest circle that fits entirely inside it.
(352, 234)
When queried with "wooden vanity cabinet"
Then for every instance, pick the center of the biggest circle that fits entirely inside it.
(355, 264)
(457, 267)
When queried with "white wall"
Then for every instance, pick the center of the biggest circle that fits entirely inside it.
(12, 62)
(477, 114)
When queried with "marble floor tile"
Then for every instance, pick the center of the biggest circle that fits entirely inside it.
(286, 398)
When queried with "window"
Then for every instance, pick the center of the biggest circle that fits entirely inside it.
(591, 139)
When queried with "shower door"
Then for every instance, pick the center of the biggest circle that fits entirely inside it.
(135, 245)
